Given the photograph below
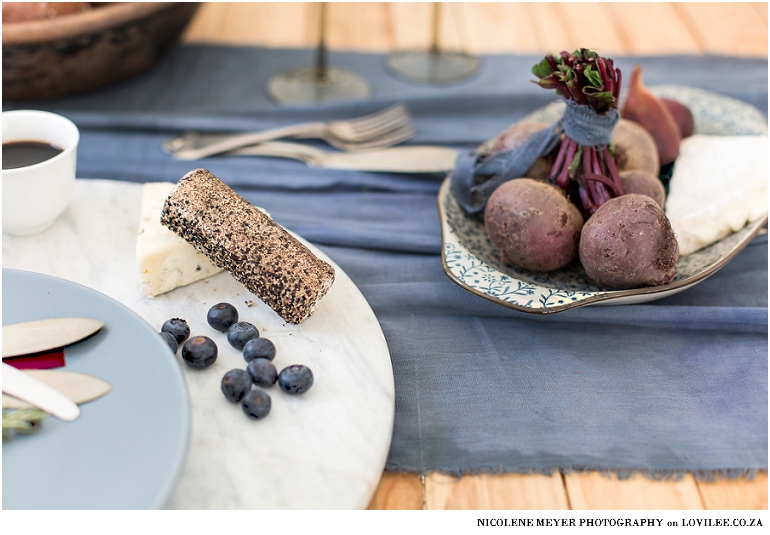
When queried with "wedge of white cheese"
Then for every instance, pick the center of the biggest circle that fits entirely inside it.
(719, 185)
(164, 260)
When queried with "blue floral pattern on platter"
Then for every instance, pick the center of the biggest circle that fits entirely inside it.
(470, 259)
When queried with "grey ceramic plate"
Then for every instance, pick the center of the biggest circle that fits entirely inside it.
(470, 260)
(127, 449)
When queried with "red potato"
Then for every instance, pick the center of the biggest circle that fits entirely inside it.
(629, 243)
(533, 225)
(644, 183)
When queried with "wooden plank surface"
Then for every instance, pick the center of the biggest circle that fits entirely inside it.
(290, 25)
(361, 26)
(591, 26)
(618, 28)
(656, 29)
(398, 491)
(740, 493)
(591, 490)
(503, 491)
(627, 28)
(745, 31)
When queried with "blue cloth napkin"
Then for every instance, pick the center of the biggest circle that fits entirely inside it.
(674, 385)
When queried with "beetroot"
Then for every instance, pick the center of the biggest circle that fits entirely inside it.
(629, 243)
(533, 225)
(515, 135)
(644, 183)
(634, 148)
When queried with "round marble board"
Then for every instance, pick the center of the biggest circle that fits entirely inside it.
(325, 449)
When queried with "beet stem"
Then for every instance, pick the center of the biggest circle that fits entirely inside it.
(605, 79)
(590, 185)
(563, 179)
(595, 162)
(604, 195)
(580, 76)
(599, 191)
(613, 171)
(585, 199)
(557, 164)
(603, 180)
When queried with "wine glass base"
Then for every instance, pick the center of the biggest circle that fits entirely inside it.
(433, 68)
(301, 86)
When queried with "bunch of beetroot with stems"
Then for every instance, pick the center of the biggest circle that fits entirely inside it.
(591, 80)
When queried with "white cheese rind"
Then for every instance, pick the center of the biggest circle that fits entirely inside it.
(164, 260)
(719, 185)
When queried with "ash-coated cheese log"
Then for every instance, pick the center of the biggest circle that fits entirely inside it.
(236, 236)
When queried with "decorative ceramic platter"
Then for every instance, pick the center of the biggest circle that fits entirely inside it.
(470, 259)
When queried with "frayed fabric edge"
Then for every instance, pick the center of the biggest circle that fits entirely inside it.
(620, 473)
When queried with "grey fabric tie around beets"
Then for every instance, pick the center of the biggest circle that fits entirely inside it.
(579, 122)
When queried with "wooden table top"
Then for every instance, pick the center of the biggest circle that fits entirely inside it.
(526, 28)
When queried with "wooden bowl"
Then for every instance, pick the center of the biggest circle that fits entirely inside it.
(79, 52)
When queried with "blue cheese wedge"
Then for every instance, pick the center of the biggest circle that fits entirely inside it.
(164, 260)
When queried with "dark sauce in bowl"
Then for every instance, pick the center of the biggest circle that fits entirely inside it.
(24, 153)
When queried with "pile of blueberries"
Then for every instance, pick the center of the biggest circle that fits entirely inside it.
(244, 386)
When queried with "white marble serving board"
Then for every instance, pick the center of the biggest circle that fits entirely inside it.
(325, 449)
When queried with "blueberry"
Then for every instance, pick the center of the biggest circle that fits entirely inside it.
(256, 403)
(258, 348)
(222, 316)
(235, 384)
(178, 328)
(240, 333)
(262, 372)
(295, 379)
(170, 340)
(199, 352)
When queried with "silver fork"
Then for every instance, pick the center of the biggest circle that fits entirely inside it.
(381, 129)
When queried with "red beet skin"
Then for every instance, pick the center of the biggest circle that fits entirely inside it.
(629, 243)
(533, 225)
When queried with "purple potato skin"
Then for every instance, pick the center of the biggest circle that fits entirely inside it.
(533, 225)
(515, 135)
(629, 243)
(644, 183)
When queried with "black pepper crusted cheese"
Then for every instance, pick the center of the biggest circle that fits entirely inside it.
(239, 238)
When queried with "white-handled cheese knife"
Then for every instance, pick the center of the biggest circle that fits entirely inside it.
(79, 387)
(45, 335)
(406, 159)
(38, 394)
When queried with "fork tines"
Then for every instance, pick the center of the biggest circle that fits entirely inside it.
(383, 121)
